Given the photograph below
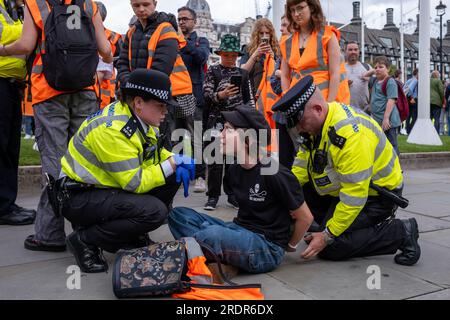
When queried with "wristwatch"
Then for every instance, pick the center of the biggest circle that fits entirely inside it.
(329, 237)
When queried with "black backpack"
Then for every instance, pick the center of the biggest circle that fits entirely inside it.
(71, 55)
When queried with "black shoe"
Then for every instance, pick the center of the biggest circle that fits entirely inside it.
(232, 202)
(17, 216)
(88, 257)
(35, 245)
(410, 247)
(211, 204)
(22, 209)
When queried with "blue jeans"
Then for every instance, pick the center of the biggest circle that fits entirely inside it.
(233, 244)
(392, 134)
(28, 121)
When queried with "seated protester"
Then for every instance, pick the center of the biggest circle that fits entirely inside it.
(258, 237)
(221, 95)
(343, 158)
(126, 178)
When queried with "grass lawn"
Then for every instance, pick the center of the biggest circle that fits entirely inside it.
(29, 157)
(414, 148)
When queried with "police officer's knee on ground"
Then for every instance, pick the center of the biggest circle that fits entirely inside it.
(343, 157)
(127, 180)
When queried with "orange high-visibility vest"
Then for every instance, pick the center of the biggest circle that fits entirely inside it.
(180, 78)
(40, 10)
(266, 98)
(107, 90)
(27, 105)
(199, 274)
(315, 62)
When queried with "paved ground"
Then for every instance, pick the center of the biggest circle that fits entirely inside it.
(34, 275)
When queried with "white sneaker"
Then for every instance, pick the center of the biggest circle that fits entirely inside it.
(200, 186)
(35, 147)
(27, 137)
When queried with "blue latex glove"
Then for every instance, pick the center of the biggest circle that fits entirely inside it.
(187, 163)
(182, 175)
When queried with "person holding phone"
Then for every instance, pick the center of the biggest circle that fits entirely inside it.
(226, 87)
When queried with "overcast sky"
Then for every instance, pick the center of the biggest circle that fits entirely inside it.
(120, 12)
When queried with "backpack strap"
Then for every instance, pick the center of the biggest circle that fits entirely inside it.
(384, 86)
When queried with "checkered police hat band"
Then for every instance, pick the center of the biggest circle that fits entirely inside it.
(300, 102)
(161, 94)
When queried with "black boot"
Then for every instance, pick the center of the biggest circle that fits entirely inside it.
(88, 257)
(410, 247)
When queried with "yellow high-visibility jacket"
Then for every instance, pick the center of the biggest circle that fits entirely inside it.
(10, 31)
(358, 153)
(107, 153)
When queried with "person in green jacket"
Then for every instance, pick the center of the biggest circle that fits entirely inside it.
(436, 98)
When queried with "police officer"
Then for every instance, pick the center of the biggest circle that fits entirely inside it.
(12, 74)
(118, 182)
(344, 156)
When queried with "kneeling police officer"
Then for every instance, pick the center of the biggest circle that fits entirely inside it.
(352, 179)
(118, 182)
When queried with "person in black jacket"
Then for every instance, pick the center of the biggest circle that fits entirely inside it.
(148, 19)
(195, 56)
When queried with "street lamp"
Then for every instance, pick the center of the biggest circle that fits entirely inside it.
(440, 9)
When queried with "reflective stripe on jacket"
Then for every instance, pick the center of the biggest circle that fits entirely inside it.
(315, 61)
(100, 154)
(180, 78)
(40, 11)
(10, 31)
(366, 155)
(108, 86)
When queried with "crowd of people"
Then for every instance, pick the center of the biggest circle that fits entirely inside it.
(107, 151)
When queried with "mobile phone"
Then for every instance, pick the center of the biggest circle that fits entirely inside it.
(265, 41)
(236, 81)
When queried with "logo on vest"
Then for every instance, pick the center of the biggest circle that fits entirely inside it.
(256, 195)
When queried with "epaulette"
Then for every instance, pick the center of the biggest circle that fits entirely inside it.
(130, 128)
(336, 139)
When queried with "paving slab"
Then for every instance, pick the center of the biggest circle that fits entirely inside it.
(426, 224)
(348, 280)
(441, 238)
(433, 266)
(435, 204)
(440, 295)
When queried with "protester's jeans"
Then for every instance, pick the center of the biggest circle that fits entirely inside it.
(233, 244)
(28, 121)
(392, 135)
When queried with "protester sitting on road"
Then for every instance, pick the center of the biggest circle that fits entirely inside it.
(351, 177)
(221, 94)
(126, 179)
(260, 234)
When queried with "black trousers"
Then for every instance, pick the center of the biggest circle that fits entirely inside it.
(372, 233)
(286, 147)
(112, 218)
(412, 118)
(10, 127)
(216, 174)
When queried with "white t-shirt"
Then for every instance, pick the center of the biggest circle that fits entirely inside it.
(359, 89)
